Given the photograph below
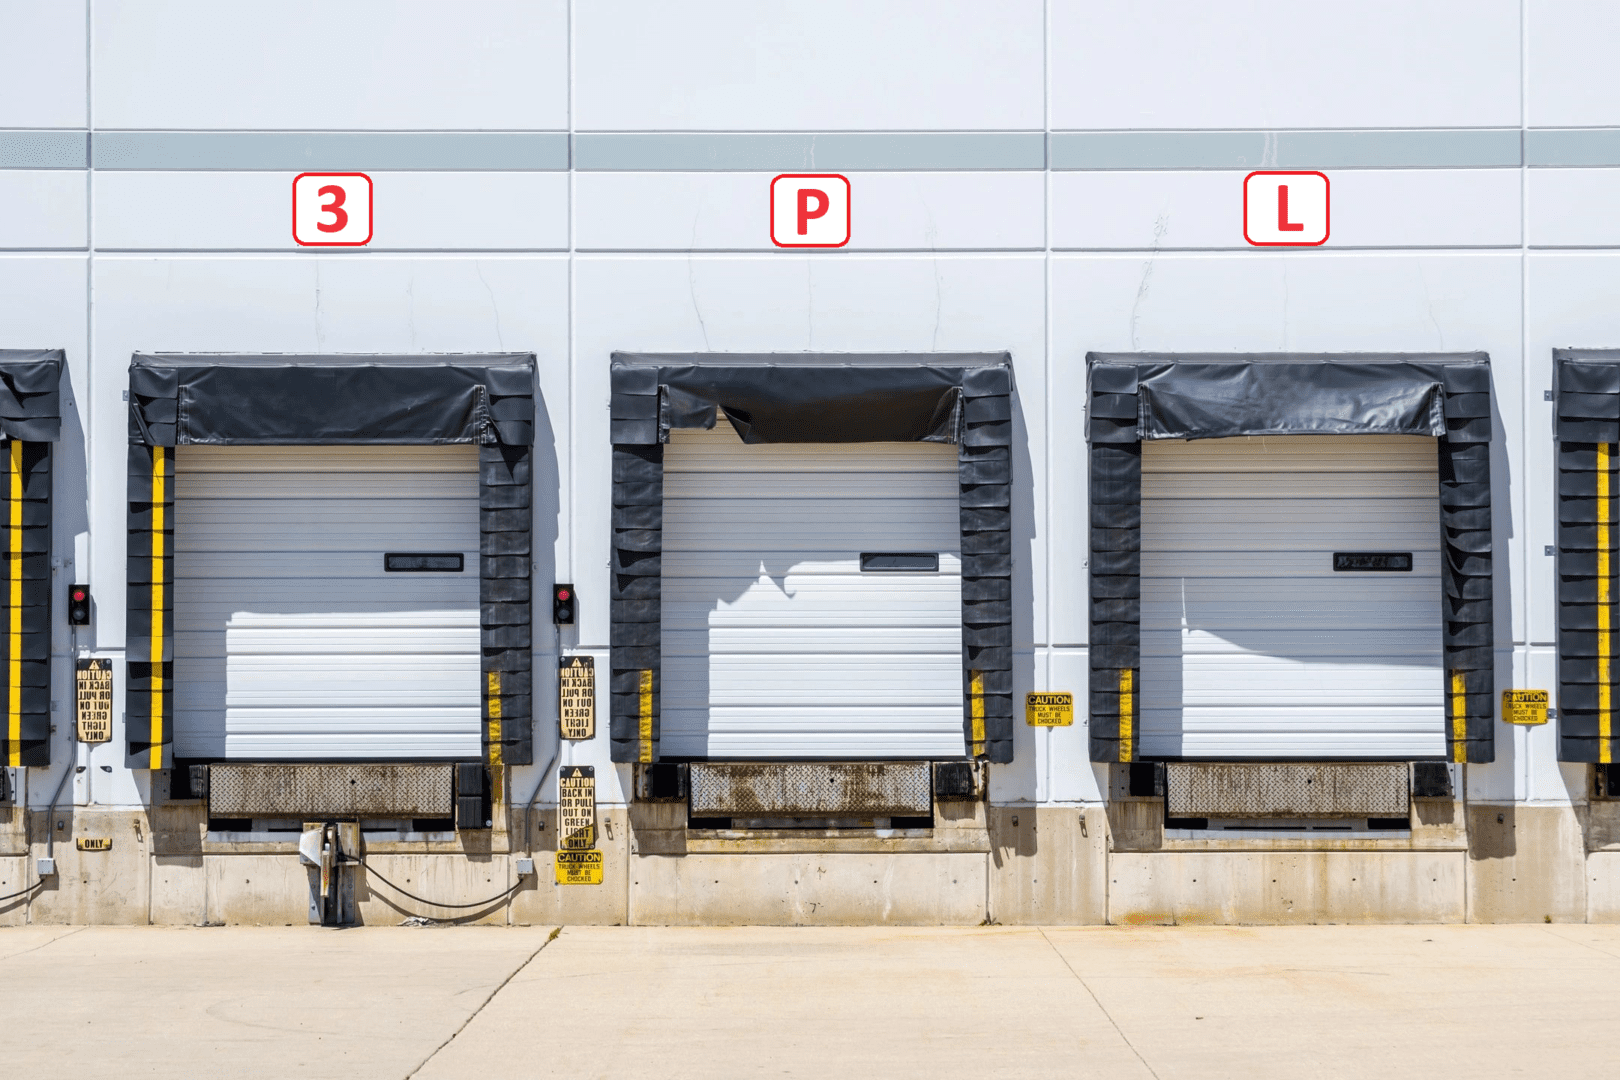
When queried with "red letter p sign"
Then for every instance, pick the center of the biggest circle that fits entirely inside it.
(810, 210)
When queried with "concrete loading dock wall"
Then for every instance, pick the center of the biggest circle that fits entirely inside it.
(574, 180)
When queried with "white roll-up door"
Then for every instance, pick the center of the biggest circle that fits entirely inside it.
(1253, 645)
(776, 644)
(292, 640)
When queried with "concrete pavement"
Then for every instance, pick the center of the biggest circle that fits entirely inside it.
(1173, 1002)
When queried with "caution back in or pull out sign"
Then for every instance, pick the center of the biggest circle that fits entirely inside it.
(1049, 710)
(1524, 706)
(92, 693)
(578, 861)
(576, 696)
(576, 807)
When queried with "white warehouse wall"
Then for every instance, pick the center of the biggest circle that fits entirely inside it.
(1044, 178)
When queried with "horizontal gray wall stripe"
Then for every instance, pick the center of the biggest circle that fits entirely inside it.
(864, 151)
(43, 149)
(786, 151)
(1572, 148)
(1284, 149)
(302, 151)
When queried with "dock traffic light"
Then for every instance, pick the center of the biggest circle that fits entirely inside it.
(562, 604)
(79, 605)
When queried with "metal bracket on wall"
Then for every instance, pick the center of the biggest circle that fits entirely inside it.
(330, 851)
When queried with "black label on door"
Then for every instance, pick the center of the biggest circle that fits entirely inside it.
(900, 561)
(1374, 561)
(419, 562)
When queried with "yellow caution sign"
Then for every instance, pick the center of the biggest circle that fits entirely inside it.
(576, 807)
(1524, 706)
(576, 696)
(1049, 710)
(579, 868)
(92, 695)
(94, 843)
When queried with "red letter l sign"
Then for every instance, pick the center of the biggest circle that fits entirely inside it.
(1283, 224)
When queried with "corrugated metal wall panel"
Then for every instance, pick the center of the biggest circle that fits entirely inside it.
(775, 644)
(291, 640)
(1252, 645)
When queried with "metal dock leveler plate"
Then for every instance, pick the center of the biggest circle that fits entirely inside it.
(1327, 789)
(1524, 706)
(92, 692)
(768, 789)
(321, 791)
(1049, 710)
(579, 868)
(576, 807)
(576, 697)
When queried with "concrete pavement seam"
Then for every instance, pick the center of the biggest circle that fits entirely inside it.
(41, 945)
(1100, 1006)
(470, 1016)
(1585, 944)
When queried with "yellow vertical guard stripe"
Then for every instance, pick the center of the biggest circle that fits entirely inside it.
(155, 754)
(644, 714)
(1127, 710)
(494, 728)
(1459, 717)
(976, 711)
(1605, 609)
(14, 520)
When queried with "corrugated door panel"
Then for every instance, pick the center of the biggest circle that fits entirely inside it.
(291, 640)
(775, 644)
(1252, 645)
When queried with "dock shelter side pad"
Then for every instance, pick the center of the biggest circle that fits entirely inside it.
(1587, 386)
(814, 398)
(1134, 397)
(487, 399)
(30, 421)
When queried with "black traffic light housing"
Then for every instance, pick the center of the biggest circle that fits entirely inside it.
(564, 603)
(79, 605)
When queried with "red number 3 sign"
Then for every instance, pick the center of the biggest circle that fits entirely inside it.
(332, 209)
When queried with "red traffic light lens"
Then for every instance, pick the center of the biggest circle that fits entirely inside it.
(562, 594)
(78, 594)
